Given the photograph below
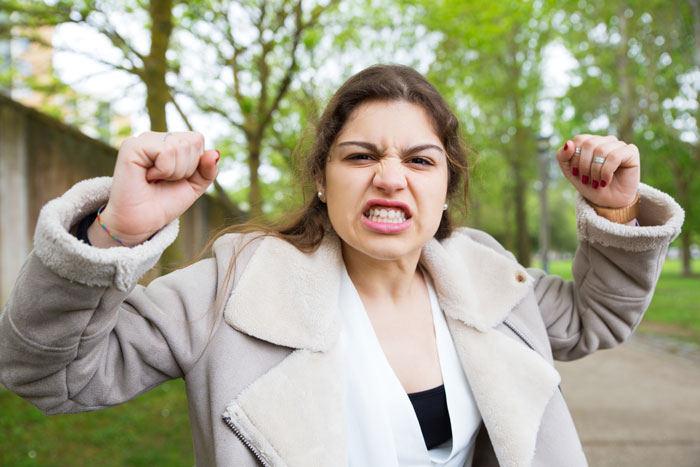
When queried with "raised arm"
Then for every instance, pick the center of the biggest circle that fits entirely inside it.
(77, 332)
(624, 229)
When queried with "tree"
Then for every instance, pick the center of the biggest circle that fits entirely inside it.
(636, 62)
(257, 47)
(263, 66)
(488, 63)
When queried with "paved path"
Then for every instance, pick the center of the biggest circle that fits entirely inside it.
(638, 404)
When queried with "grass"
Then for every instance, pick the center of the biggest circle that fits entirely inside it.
(153, 429)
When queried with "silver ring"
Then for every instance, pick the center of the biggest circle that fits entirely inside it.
(577, 151)
(598, 160)
(166, 135)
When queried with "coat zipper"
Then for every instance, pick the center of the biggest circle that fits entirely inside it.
(522, 338)
(248, 444)
(517, 333)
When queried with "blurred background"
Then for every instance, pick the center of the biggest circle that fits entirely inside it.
(77, 77)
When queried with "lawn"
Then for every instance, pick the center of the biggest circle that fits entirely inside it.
(153, 429)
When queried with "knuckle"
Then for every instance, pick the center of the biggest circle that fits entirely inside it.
(128, 141)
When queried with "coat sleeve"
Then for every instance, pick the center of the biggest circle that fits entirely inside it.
(78, 334)
(615, 271)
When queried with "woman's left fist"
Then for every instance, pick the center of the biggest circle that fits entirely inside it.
(603, 169)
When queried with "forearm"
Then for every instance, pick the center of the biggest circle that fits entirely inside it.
(615, 272)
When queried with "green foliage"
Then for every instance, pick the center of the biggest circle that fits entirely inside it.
(636, 77)
(251, 64)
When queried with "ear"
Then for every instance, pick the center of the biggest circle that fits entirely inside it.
(320, 183)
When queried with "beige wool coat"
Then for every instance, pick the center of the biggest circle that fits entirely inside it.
(264, 379)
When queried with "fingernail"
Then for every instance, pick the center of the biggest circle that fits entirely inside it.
(602, 183)
(584, 179)
(218, 156)
(594, 184)
(574, 171)
(566, 146)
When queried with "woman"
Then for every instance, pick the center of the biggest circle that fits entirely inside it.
(369, 332)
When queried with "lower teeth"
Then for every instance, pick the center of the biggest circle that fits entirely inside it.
(385, 220)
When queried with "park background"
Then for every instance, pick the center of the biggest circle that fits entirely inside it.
(253, 77)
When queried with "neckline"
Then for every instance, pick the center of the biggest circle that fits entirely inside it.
(427, 392)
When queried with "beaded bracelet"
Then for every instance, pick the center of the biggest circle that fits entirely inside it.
(99, 220)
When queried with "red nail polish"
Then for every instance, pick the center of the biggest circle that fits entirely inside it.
(566, 146)
(602, 183)
(594, 184)
(574, 171)
(218, 156)
(584, 179)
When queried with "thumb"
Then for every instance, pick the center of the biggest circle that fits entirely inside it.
(206, 172)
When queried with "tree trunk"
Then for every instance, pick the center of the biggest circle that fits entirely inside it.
(523, 238)
(156, 65)
(683, 196)
(625, 128)
(685, 253)
(254, 192)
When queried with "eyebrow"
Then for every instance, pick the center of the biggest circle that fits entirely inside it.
(374, 148)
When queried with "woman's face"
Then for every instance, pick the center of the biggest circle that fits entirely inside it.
(386, 181)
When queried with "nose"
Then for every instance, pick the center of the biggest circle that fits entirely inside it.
(390, 175)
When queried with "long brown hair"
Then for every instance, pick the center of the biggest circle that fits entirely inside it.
(306, 229)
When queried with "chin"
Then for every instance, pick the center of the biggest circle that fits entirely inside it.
(388, 248)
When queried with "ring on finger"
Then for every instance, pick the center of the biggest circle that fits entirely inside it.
(166, 135)
(577, 151)
(598, 160)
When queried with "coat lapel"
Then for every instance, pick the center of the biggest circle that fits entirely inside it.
(290, 298)
(294, 414)
(477, 288)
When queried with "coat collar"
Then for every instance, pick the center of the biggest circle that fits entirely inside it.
(288, 298)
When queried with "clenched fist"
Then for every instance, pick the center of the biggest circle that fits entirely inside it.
(157, 177)
(603, 169)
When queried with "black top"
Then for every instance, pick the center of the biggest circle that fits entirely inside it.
(431, 409)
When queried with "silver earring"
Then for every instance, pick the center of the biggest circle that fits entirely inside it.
(320, 195)
(444, 207)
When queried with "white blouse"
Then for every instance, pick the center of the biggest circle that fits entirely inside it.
(383, 429)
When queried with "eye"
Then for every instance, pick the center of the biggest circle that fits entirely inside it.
(418, 160)
(360, 157)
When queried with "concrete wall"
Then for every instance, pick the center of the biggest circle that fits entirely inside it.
(40, 158)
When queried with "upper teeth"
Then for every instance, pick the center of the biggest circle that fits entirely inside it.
(387, 215)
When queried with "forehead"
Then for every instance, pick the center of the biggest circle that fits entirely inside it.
(390, 123)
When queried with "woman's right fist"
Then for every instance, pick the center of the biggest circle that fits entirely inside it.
(157, 177)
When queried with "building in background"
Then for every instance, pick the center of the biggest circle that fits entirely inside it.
(26, 66)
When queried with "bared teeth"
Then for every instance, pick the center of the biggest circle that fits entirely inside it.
(387, 215)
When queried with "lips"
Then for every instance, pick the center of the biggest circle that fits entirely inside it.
(386, 216)
(376, 206)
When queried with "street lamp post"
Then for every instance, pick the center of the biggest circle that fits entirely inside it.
(543, 165)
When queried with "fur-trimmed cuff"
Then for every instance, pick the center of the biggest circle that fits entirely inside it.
(660, 217)
(74, 260)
